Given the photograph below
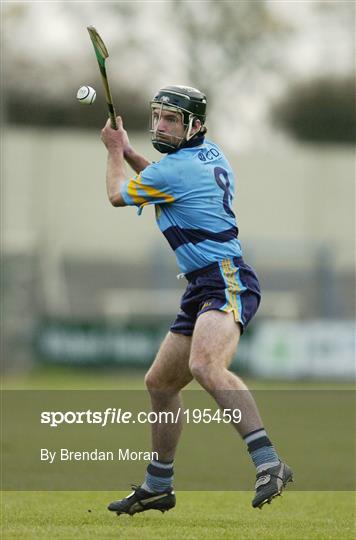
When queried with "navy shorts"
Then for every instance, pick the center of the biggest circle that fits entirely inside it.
(227, 285)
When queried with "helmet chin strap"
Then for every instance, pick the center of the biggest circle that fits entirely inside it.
(166, 146)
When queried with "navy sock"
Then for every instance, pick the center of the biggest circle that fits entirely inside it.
(159, 476)
(261, 449)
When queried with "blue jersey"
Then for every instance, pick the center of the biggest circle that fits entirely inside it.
(192, 190)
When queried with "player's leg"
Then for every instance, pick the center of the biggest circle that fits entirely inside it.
(167, 376)
(214, 343)
(215, 339)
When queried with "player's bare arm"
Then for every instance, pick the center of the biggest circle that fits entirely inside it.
(115, 140)
(137, 162)
(119, 149)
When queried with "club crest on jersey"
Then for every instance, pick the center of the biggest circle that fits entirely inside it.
(208, 155)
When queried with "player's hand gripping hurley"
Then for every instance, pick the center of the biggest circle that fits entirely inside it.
(101, 53)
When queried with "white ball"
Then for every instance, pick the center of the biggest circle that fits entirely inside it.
(86, 94)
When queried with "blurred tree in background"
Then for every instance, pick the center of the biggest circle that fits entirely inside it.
(199, 43)
(321, 110)
(52, 57)
(238, 52)
(224, 38)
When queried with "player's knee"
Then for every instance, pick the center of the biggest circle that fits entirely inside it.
(155, 383)
(200, 371)
(152, 382)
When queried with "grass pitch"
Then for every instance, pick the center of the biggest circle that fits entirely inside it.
(198, 515)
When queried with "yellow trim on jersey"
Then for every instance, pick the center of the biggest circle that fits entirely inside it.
(136, 183)
(152, 192)
(233, 287)
(132, 191)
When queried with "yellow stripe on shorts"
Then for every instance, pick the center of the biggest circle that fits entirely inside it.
(233, 288)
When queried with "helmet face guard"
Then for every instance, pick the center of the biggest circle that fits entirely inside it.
(164, 142)
(189, 104)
